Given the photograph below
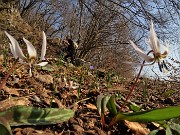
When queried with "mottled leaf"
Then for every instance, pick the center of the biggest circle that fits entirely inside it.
(5, 128)
(24, 115)
(154, 132)
(175, 127)
(168, 131)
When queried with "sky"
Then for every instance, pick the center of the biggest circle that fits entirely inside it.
(153, 70)
(173, 27)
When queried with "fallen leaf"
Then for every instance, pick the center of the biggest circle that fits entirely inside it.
(48, 79)
(8, 103)
(73, 85)
(137, 128)
(91, 106)
(156, 124)
(60, 105)
(37, 99)
(11, 91)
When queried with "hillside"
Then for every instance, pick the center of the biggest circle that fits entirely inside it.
(12, 22)
(63, 85)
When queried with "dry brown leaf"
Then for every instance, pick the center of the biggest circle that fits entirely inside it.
(60, 105)
(11, 91)
(48, 79)
(43, 92)
(73, 85)
(1, 57)
(91, 106)
(74, 93)
(137, 128)
(17, 131)
(47, 101)
(8, 103)
(156, 124)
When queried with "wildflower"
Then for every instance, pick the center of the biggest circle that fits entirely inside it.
(91, 67)
(156, 50)
(31, 59)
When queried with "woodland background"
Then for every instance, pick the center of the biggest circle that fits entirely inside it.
(102, 28)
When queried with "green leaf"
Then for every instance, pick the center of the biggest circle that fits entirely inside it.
(150, 115)
(101, 103)
(175, 120)
(145, 90)
(154, 132)
(104, 103)
(175, 127)
(80, 84)
(111, 106)
(26, 115)
(168, 131)
(168, 93)
(98, 103)
(135, 108)
(47, 69)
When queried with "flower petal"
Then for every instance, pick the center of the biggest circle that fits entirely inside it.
(43, 51)
(12, 48)
(15, 47)
(141, 53)
(138, 64)
(31, 50)
(166, 52)
(42, 64)
(153, 40)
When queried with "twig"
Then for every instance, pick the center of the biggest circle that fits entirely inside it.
(78, 102)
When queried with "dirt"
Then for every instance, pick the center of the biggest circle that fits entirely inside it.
(57, 87)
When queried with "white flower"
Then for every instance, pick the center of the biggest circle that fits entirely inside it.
(43, 51)
(156, 49)
(17, 52)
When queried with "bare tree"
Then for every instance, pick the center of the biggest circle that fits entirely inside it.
(103, 27)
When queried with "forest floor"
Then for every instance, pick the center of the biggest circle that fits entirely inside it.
(57, 85)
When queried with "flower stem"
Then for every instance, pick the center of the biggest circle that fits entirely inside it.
(113, 121)
(8, 74)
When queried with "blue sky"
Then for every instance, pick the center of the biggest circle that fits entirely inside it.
(169, 32)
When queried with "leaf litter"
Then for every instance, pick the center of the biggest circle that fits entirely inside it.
(58, 88)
